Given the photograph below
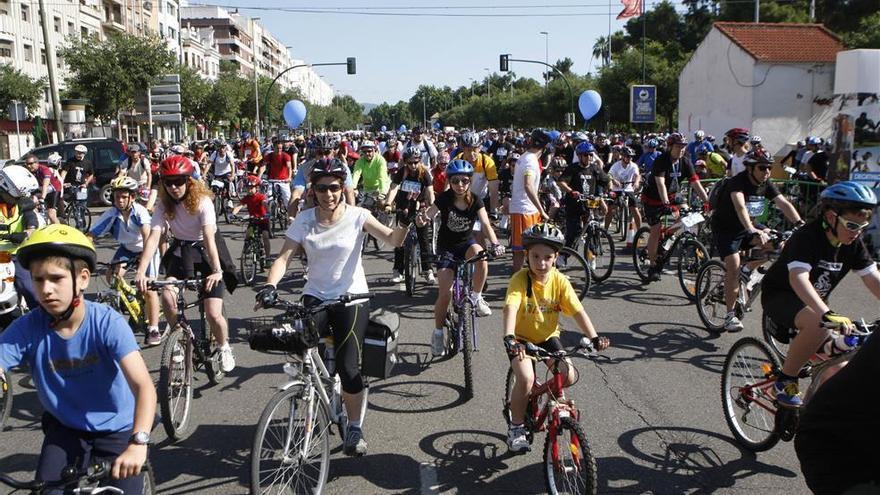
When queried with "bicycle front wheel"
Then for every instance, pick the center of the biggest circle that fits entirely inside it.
(710, 295)
(569, 465)
(466, 326)
(5, 398)
(248, 263)
(746, 382)
(690, 258)
(411, 265)
(573, 266)
(599, 254)
(641, 262)
(175, 383)
(291, 450)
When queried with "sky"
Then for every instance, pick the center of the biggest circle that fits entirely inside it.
(397, 53)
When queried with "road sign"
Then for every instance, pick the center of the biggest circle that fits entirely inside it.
(165, 89)
(168, 117)
(642, 104)
(166, 108)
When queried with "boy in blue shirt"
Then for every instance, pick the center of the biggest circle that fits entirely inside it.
(99, 399)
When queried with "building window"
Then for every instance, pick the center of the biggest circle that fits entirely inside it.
(84, 32)
(43, 56)
(4, 7)
(172, 10)
(28, 53)
(57, 24)
(25, 13)
(161, 29)
(5, 49)
(71, 29)
(171, 33)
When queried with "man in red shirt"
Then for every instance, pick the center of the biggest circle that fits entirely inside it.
(255, 201)
(280, 165)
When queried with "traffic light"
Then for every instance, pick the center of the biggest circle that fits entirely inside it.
(503, 60)
(351, 62)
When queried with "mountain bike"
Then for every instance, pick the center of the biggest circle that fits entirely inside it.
(676, 239)
(222, 198)
(748, 389)
(412, 259)
(6, 393)
(370, 201)
(76, 212)
(571, 467)
(124, 298)
(711, 305)
(186, 349)
(253, 255)
(291, 449)
(278, 218)
(595, 242)
(81, 481)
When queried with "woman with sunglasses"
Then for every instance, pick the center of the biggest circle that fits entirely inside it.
(331, 235)
(795, 290)
(186, 210)
(412, 190)
(740, 201)
(459, 210)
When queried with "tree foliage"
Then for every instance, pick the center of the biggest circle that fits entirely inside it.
(18, 86)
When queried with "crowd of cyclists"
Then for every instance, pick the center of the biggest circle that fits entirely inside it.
(458, 190)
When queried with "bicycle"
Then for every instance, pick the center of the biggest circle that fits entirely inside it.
(81, 481)
(595, 242)
(549, 410)
(6, 393)
(620, 216)
(574, 267)
(253, 255)
(747, 389)
(678, 238)
(76, 212)
(222, 199)
(277, 208)
(291, 449)
(412, 259)
(185, 350)
(124, 298)
(370, 201)
(711, 304)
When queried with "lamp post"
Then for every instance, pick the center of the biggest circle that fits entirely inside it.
(488, 86)
(546, 55)
(350, 63)
(472, 85)
(256, 87)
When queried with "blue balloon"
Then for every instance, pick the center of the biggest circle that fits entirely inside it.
(294, 113)
(402, 128)
(384, 128)
(590, 102)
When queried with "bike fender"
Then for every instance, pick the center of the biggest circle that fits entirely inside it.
(291, 384)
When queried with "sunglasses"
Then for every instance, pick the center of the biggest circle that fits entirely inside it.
(460, 180)
(322, 188)
(764, 168)
(176, 182)
(854, 226)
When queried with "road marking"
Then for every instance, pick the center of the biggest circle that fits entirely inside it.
(428, 477)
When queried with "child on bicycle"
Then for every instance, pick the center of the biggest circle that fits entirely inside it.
(93, 384)
(255, 201)
(535, 297)
(129, 223)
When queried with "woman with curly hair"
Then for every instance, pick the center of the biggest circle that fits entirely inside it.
(186, 210)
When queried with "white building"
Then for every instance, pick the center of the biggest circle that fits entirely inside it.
(774, 79)
(167, 22)
(199, 51)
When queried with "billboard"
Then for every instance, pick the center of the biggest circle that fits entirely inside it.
(642, 104)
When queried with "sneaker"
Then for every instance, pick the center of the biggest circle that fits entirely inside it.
(732, 323)
(438, 346)
(396, 277)
(788, 393)
(354, 444)
(227, 360)
(429, 277)
(482, 307)
(154, 337)
(516, 439)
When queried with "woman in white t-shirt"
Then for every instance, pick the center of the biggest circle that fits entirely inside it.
(331, 234)
(625, 181)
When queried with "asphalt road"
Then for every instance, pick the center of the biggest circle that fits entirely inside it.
(652, 413)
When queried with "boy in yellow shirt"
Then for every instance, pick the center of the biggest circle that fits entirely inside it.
(535, 297)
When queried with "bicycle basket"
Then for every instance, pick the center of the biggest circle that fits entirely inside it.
(274, 333)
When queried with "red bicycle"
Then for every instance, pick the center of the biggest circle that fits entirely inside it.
(569, 465)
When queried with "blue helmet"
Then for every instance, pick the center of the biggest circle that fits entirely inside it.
(652, 143)
(584, 148)
(459, 167)
(245, 135)
(813, 140)
(849, 194)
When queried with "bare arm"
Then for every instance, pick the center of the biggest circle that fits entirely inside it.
(385, 234)
(493, 195)
(131, 460)
(532, 194)
(739, 206)
(872, 282)
(585, 324)
(661, 189)
(279, 267)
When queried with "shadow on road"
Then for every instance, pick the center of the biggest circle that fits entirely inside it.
(671, 343)
(415, 397)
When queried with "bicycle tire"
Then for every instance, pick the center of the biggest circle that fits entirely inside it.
(410, 254)
(779, 347)
(641, 263)
(594, 251)
(625, 220)
(150, 485)
(466, 327)
(212, 352)
(175, 383)
(711, 306)
(573, 266)
(581, 476)
(6, 394)
(691, 257)
(263, 453)
(248, 263)
(751, 369)
(452, 342)
(509, 383)
(218, 203)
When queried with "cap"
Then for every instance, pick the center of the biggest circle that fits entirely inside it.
(80, 148)
(134, 147)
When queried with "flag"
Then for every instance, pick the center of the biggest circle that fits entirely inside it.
(631, 8)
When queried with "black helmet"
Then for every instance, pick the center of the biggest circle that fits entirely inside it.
(412, 152)
(628, 152)
(540, 138)
(755, 157)
(324, 167)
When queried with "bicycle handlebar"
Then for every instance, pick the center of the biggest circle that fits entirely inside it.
(298, 307)
(189, 283)
(69, 476)
(584, 348)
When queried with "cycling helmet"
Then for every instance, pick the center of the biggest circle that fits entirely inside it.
(579, 137)
(755, 140)
(124, 183)
(245, 135)
(324, 167)
(253, 181)
(741, 138)
(459, 167)
(54, 159)
(441, 146)
(755, 157)
(412, 152)
(736, 131)
(513, 157)
(540, 138)
(17, 181)
(584, 148)
(520, 141)
(814, 141)
(710, 138)
(326, 142)
(543, 233)
(652, 143)
(177, 149)
(700, 135)
(674, 138)
(847, 194)
(801, 144)
(470, 139)
(627, 151)
(635, 136)
(175, 166)
(367, 144)
(57, 240)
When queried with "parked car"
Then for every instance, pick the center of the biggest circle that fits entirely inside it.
(104, 153)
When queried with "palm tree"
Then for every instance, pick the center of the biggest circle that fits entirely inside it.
(600, 49)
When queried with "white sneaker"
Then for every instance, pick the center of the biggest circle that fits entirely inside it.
(732, 323)
(516, 439)
(438, 346)
(429, 277)
(482, 307)
(227, 360)
(397, 277)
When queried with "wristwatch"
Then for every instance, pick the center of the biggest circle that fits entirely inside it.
(140, 438)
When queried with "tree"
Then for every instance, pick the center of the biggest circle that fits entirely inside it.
(563, 65)
(600, 47)
(18, 86)
(867, 35)
(195, 93)
(111, 72)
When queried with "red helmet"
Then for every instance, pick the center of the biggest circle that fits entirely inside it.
(253, 180)
(176, 165)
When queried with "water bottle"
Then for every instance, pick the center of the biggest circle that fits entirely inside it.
(840, 344)
(667, 244)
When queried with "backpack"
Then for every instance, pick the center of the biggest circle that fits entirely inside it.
(715, 192)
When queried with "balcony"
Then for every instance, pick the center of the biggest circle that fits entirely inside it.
(113, 25)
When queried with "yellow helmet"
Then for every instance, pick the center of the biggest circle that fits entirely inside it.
(124, 183)
(57, 240)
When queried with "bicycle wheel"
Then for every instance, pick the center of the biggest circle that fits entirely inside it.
(509, 383)
(574, 470)
(641, 262)
(710, 295)
(175, 383)
(692, 255)
(768, 329)
(5, 398)
(466, 327)
(746, 393)
(411, 264)
(273, 213)
(574, 267)
(83, 217)
(291, 450)
(150, 486)
(624, 219)
(599, 254)
(452, 343)
(249, 262)
(218, 202)
(211, 352)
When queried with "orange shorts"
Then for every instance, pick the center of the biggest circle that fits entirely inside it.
(519, 223)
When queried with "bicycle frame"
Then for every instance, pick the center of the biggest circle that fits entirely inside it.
(556, 407)
(200, 339)
(461, 292)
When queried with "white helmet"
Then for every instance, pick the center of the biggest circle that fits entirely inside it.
(18, 181)
(699, 135)
(54, 159)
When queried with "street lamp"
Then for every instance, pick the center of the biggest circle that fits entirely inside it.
(472, 85)
(546, 54)
(488, 86)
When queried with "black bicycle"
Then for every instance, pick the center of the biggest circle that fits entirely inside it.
(222, 198)
(76, 211)
(278, 219)
(253, 256)
(81, 481)
(595, 242)
(412, 259)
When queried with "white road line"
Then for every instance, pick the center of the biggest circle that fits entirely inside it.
(428, 478)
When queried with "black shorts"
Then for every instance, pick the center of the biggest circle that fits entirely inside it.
(51, 200)
(458, 252)
(553, 344)
(174, 269)
(781, 307)
(727, 242)
(633, 198)
(653, 215)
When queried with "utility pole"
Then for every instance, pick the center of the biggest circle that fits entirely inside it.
(488, 86)
(757, 10)
(812, 10)
(50, 65)
(546, 55)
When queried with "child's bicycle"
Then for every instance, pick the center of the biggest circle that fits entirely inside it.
(569, 465)
(80, 481)
(748, 392)
(253, 256)
(124, 298)
(291, 449)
